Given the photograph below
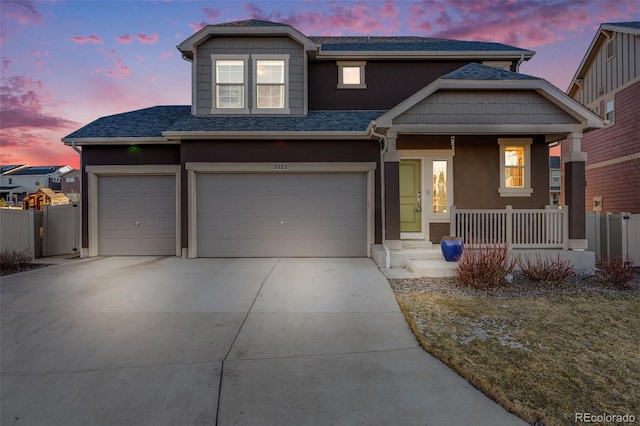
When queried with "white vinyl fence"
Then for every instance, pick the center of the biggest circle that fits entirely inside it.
(53, 231)
(614, 235)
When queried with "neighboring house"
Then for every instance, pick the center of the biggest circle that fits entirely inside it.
(70, 185)
(324, 146)
(44, 197)
(30, 179)
(608, 82)
(555, 180)
(8, 190)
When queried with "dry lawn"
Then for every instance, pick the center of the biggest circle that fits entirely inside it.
(543, 358)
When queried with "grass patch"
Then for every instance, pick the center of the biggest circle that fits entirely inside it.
(543, 358)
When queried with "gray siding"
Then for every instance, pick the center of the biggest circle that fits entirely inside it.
(485, 107)
(248, 46)
(614, 73)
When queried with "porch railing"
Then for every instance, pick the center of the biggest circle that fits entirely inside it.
(518, 228)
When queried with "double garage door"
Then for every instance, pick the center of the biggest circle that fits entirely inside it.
(237, 215)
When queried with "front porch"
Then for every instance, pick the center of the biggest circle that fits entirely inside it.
(526, 232)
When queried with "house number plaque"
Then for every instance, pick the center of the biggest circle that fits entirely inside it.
(280, 166)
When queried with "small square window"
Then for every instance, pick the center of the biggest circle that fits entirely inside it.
(351, 75)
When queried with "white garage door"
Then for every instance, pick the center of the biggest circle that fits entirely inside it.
(136, 215)
(282, 215)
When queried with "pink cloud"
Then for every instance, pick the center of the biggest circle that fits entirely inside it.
(166, 55)
(197, 26)
(361, 17)
(21, 105)
(521, 23)
(147, 39)
(211, 13)
(118, 69)
(6, 63)
(124, 39)
(86, 39)
(23, 11)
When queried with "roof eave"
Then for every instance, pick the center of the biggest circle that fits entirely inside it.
(271, 135)
(187, 46)
(401, 54)
(116, 141)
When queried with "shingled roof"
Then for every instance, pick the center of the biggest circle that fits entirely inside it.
(475, 71)
(152, 122)
(408, 44)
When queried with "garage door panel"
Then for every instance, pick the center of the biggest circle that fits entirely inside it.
(136, 215)
(281, 215)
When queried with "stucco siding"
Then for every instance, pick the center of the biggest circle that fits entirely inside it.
(485, 107)
(249, 46)
(606, 75)
(476, 170)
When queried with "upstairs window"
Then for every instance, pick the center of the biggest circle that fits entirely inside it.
(611, 49)
(515, 167)
(351, 75)
(609, 110)
(230, 76)
(271, 87)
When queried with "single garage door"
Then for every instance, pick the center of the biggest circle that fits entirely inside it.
(282, 215)
(136, 215)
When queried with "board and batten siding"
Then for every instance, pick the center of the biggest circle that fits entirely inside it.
(248, 46)
(485, 107)
(604, 76)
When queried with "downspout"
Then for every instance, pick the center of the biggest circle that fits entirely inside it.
(520, 61)
(383, 148)
(79, 151)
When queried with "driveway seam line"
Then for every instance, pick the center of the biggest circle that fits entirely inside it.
(329, 354)
(236, 336)
(34, 332)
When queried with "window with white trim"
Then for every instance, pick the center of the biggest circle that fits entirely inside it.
(609, 110)
(351, 75)
(515, 167)
(230, 81)
(271, 76)
(611, 49)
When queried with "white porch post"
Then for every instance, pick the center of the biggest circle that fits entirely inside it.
(574, 180)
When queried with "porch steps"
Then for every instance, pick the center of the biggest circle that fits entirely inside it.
(431, 267)
(416, 259)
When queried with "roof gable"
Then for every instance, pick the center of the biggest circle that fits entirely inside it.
(474, 77)
(601, 35)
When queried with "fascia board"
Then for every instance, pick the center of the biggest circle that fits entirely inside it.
(511, 55)
(190, 43)
(488, 129)
(569, 105)
(116, 141)
(235, 135)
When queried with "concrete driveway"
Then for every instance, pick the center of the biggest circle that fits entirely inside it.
(170, 341)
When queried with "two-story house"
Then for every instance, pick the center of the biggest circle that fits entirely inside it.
(23, 180)
(608, 82)
(324, 146)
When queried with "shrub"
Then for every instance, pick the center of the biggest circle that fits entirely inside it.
(14, 261)
(615, 270)
(545, 269)
(485, 266)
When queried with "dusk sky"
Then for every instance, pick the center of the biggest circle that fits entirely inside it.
(67, 63)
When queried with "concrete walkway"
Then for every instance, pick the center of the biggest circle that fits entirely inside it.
(170, 341)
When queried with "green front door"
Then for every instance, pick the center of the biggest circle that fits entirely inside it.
(410, 196)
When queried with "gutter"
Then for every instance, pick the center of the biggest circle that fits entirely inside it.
(383, 149)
